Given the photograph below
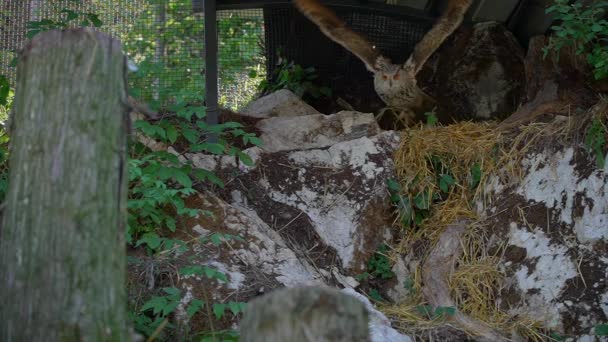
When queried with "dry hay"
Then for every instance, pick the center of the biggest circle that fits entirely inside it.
(476, 282)
(458, 147)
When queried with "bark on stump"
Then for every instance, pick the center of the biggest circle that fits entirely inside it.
(305, 314)
(62, 250)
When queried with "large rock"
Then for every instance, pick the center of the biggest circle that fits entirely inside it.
(315, 131)
(554, 224)
(479, 74)
(280, 103)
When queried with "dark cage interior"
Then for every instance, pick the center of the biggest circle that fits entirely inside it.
(299, 40)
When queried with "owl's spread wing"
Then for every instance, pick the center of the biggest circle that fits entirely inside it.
(336, 29)
(446, 25)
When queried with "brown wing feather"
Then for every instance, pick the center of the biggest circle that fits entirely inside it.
(336, 29)
(446, 25)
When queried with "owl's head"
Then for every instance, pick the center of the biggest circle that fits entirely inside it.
(389, 73)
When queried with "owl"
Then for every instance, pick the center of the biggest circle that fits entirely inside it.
(395, 84)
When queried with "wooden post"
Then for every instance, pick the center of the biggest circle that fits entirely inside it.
(304, 314)
(62, 249)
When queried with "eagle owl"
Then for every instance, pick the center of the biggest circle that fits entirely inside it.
(394, 83)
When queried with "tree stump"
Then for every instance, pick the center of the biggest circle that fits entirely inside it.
(62, 249)
(305, 314)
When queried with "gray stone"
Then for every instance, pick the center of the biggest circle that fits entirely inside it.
(315, 131)
(282, 103)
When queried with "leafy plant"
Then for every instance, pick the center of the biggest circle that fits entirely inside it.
(595, 139)
(436, 313)
(69, 17)
(431, 119)
(583, 26)
(300, 80)
(379, 265)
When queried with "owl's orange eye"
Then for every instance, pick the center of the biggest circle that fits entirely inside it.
(385, 77)
(396, 76)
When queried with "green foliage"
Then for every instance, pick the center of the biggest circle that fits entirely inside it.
(475, 176)
(374, 294)
(413, 209)
(301, 81)
(431, 119)
(583, 26)
(170, 53)
(601, 330)
(69, 18)
(379, 265)
(5, 91)
(414, 205)
(223, 336)
(440, 312)
(595, 139)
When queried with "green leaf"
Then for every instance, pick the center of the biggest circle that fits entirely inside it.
(375, 295)
(151, 239)
(218, 310)
(194, 307)
(393, 185)
(601, 330)
(475, 175)
(170, 307)
(71, 15)
(203, 175)
(431, 119)
(191, 135)
(444, 311)
(170, 221)
(171, 134)
(421, 201)
(216, 239)
(172, 291)
(236, 307)
(245, 158)
(182, 178)
(209, 147)
(445, 181)
(425, 310)
(155, 303)
(94, 19)
(191, 270)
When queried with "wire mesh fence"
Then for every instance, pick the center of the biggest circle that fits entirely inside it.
(165, 38)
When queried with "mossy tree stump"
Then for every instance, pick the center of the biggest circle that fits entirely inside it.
(62, 249)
